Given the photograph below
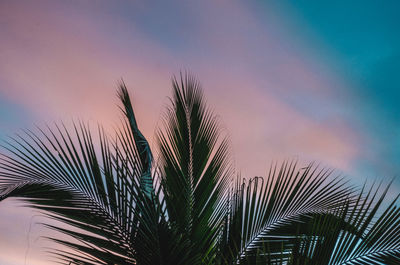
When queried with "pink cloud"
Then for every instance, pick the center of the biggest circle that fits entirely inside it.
(63, 63)
(70, 67)
(264, 129)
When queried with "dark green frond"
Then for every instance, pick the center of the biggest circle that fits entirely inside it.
(116, 207)
(356, 235)
(195, 166)
(94, 187)
(265, 214)
(143, 147)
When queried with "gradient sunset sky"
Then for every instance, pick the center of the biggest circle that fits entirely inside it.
(313, 80)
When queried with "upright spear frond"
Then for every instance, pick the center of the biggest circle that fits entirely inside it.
(195, 166)
(143, 147)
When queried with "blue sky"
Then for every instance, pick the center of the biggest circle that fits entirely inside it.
(360, 41)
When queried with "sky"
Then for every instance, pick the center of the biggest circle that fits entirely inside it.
(307, 80)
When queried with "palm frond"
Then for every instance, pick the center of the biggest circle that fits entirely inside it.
(194, 166)
(118, 207)
(359, 236)
(142, 146)
(266, 214)
(93, 187)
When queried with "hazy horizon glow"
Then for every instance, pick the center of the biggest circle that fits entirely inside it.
(305, 80)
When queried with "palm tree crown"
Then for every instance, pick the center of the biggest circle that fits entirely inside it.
(120, 206)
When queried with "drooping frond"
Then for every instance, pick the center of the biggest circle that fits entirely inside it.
(94, 187)
(373, 239)
(265, 213)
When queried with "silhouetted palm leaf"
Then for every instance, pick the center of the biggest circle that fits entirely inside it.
(96, 191)
(120, 208)
(265, 215)
(371, 239)
(194, 168)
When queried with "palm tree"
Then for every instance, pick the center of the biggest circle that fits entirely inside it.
(120, 206)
